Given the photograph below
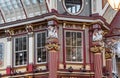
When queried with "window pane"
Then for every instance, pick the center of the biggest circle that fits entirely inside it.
(24, 43)
(20, 43)
(16, 45)
(68, 54)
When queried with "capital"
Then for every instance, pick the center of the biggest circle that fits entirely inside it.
(52, 44)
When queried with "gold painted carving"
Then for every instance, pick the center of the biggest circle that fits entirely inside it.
(52, 44)
(96, 49)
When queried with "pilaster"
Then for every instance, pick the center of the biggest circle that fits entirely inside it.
(9, 50)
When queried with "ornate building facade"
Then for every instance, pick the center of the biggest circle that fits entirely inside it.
(55, 39)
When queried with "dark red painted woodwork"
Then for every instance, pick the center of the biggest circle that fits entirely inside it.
(116, 21)
(53, 61)
(84, 48)
(30, 68)
(2, 16)
(23, 8)
(8, 70)
(98, 65)
(109, 67)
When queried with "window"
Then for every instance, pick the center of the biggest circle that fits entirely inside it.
(73, 46)
(20, 50)
(1, 53)
(40, 47)
(73, 6)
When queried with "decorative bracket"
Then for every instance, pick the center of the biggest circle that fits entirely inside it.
(29, 28)
(9, 32)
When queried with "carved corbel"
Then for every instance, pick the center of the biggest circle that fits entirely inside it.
(108, 53)
(29, 28)
(9, 32)
(96, 49)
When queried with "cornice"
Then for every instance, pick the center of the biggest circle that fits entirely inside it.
(48, 16)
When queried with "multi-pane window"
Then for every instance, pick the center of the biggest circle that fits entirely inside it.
(41, 53)
(20, 50)
(73, 46)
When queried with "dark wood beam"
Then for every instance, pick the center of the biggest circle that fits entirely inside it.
(24, 9)
(2, 16)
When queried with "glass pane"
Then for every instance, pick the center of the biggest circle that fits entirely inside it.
(20, 43)
(39, 55)
(68, 38)
(68, 53)
(39, 40)
(79, 39)
(24, 43)
(44, 56)
(16, 44)
(43, 39)
(79, 55)
(74, 39)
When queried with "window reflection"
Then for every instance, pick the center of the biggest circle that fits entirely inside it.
(73, 6)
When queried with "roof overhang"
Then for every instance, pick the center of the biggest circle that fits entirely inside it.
(57, 17)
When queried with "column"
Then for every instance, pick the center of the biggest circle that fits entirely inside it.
(52, 47)
(31, 52)
(109, 67)
(9, 50)
(108, 56)
(9, 56)
(53, 64)
(96, 49)
(29, 29)
(98, 65)
(31, 48)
